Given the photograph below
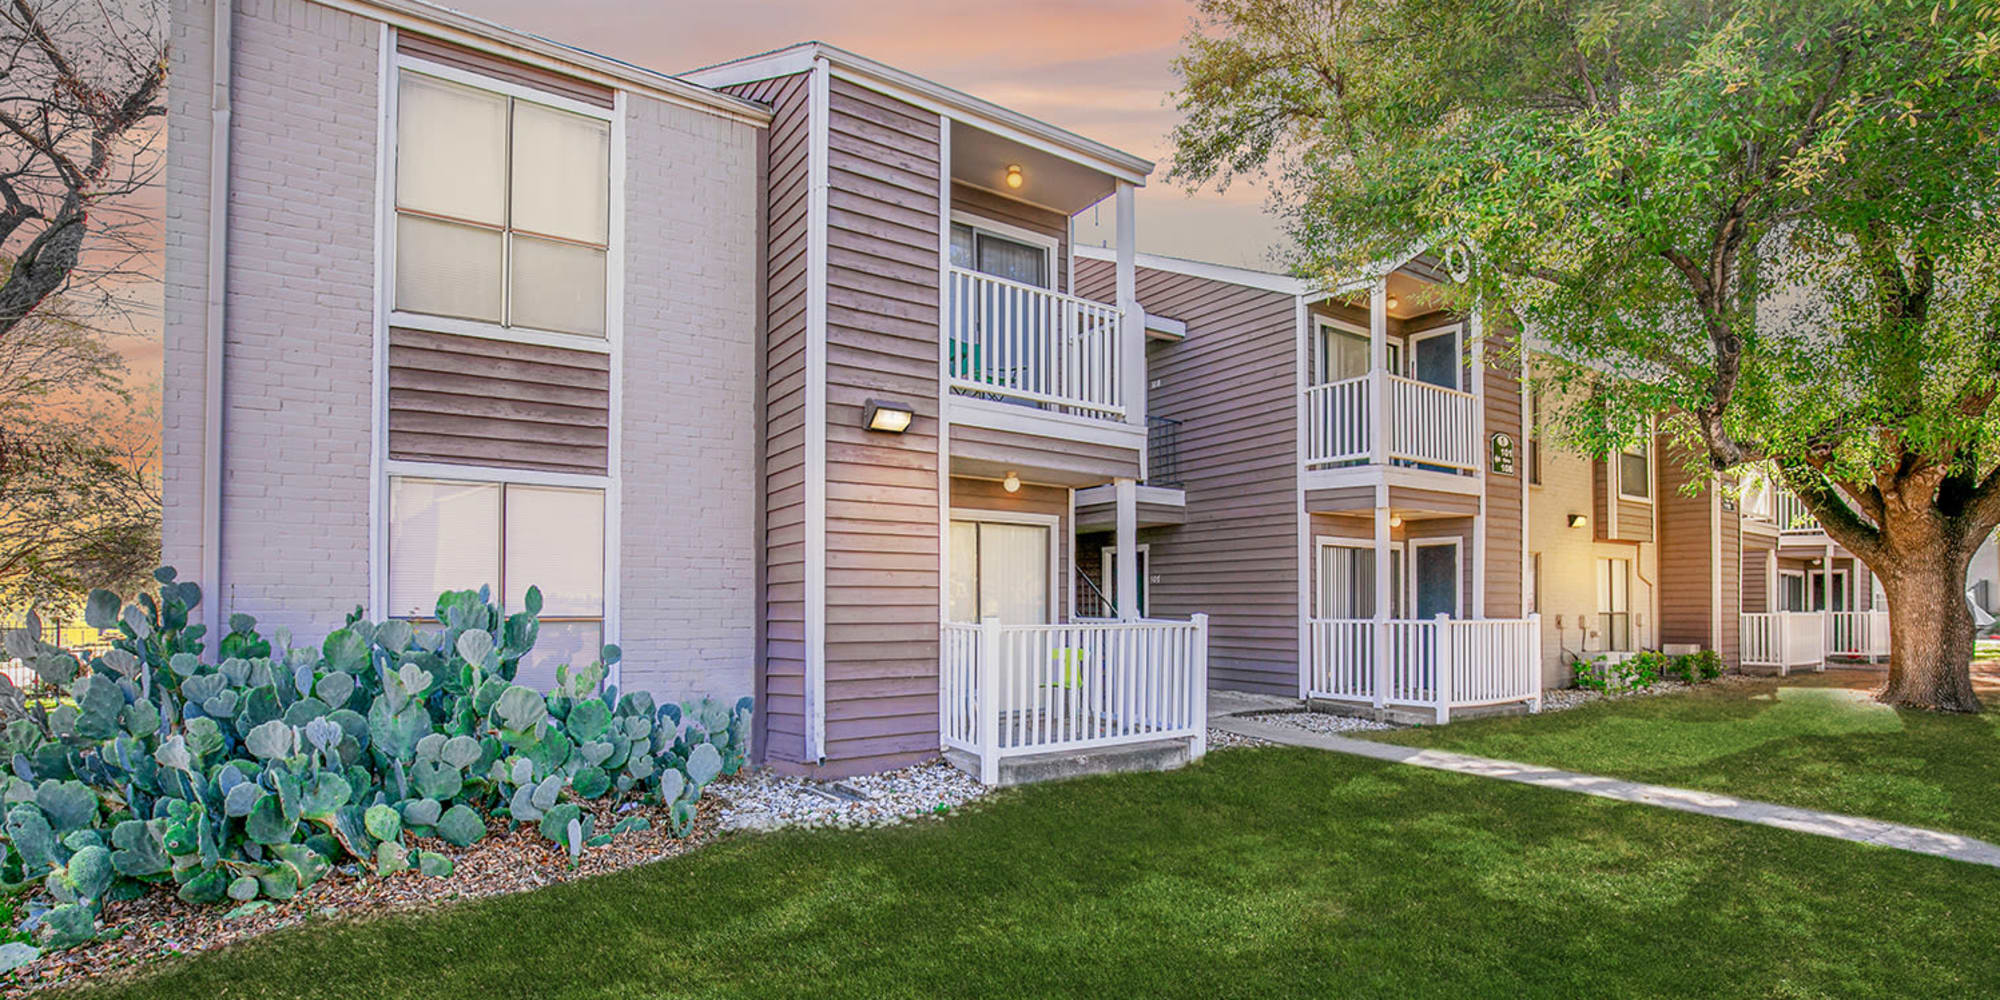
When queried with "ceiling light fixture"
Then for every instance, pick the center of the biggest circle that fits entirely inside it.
(1014, 178)
(1011, 484)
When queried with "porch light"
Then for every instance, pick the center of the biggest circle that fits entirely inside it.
(1392, 302)
(1011, 484)
(1578, 520)
(1014, 179)
(883, 415)
(1395, 520)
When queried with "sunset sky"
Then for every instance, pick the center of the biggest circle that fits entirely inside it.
(1101, 69)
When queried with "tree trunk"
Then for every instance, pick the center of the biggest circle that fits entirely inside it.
(1930, 630)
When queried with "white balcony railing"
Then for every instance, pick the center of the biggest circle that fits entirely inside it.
(1789, 513)
(1029, 344)
(1010, 690)
(1427, 424)
(1789, 639)
(1441, 664)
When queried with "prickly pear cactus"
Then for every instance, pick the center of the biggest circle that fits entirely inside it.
(252, 772)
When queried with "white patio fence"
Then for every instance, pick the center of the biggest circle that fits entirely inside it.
(1789, 639)
(1441, 664)
(1012, 690)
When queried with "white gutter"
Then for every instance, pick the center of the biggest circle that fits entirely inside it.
(210, 576)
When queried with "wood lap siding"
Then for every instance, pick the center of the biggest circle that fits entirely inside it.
(476, 401)
(1503, 492)
(882, 540)
(1687, 555)
(1232, 385)
(781, 681)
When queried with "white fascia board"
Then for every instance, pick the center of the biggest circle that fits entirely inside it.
(931, 96)
(1247, 277)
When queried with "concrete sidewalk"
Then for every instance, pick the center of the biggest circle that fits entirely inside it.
(1855, 828)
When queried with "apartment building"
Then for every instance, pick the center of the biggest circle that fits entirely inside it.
(770, 373)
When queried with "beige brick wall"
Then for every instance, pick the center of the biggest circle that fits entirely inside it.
(1568, 583)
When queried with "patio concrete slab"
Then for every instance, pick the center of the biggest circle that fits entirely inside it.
(1859, 829)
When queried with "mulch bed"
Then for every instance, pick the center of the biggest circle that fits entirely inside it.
(158, 925)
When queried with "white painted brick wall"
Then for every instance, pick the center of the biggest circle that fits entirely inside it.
(689, 552)
(299, 329)
(300, 310)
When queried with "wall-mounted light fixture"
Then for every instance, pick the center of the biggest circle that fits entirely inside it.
(886, 416)
(1011, 484)
(1395, 520)
(1578, 520)
(1014, 178)
(1392, 302)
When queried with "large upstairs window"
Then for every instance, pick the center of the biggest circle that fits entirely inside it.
(979, 249)
(502, 208)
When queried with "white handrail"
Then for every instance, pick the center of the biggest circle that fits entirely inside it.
(1008, 690)
(1783, 639)
(1337, 419)
(1018, 341)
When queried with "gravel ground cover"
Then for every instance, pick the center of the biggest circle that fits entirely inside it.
(1219, 739)
(766, 800)
(1320, 722)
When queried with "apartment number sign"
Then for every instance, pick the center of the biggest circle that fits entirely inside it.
(1503, 454)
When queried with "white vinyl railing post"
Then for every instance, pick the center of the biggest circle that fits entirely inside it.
(1441, 685)
(1783, 628)
(1381, 657)
(1531, 654)
(987, 671)
(1198, 677)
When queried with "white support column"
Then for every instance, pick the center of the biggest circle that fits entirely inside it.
(1126, 538)
(1441, 684)
(1826, 604)
(1381, 644)
(1378, 367)
(1477, 363)
(1132, 325)
(1198, 744)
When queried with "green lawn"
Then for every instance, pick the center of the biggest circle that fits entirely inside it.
(1802, 742)
(1259, 873)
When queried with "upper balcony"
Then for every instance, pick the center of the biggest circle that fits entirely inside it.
(1393, 381)
(1016, 342)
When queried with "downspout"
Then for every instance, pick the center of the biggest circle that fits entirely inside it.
(212, 357)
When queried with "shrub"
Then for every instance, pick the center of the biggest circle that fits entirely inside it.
(1639, 670)
(1693, 668)
(252, 776)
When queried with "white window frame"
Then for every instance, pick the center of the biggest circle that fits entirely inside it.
(1323, 542)
(1050, 246)
(1805, 589)
(1458, 332)
(1318, 358)
(1053, 522)
(1459, 595)
(503, 478)
(614, 285)
(381, 467)
(1107, 556)
(1601, 565)
(1645, 451)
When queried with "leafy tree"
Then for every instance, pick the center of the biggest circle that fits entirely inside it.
(1771, 221)
(81, 108)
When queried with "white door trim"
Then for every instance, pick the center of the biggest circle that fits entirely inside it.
(1053, 522)
(1457, 574)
